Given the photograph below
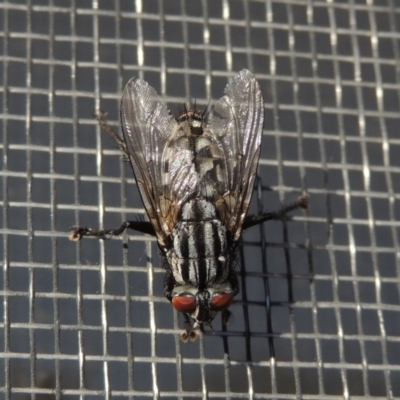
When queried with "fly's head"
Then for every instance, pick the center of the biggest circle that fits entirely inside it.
(192, 121)
(203, 304)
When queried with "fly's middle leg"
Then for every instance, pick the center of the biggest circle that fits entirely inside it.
(252, 220)
(78, 232)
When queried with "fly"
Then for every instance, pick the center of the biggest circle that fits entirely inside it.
(195, 175)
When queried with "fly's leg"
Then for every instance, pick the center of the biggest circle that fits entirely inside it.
(252, 220)
(78, 232)
(101, 119)
(189, 332)
(226, 317)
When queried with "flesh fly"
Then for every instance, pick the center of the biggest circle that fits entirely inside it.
(195, 175)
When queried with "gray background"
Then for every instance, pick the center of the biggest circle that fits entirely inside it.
(89, 320)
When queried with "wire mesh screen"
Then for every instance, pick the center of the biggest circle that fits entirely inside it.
(318, 312)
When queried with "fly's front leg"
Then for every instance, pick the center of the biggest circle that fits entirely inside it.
(78, 232)
(189, 332)
(226, 317)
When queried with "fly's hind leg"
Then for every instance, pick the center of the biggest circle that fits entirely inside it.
(101, 119)
(78, 232)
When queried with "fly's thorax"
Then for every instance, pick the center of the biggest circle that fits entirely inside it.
(199, 254)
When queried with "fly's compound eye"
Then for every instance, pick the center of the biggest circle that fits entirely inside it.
(221, 301)
(186, 304)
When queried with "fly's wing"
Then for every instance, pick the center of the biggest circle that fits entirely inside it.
(147, 126)
(237, 120)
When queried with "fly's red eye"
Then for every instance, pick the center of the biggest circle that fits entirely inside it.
(221, 301)
(186, 304)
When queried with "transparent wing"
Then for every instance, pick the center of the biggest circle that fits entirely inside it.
(237, 121)
(147, 127)
(170, 165)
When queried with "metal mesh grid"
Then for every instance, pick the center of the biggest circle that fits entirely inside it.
(318, 313)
